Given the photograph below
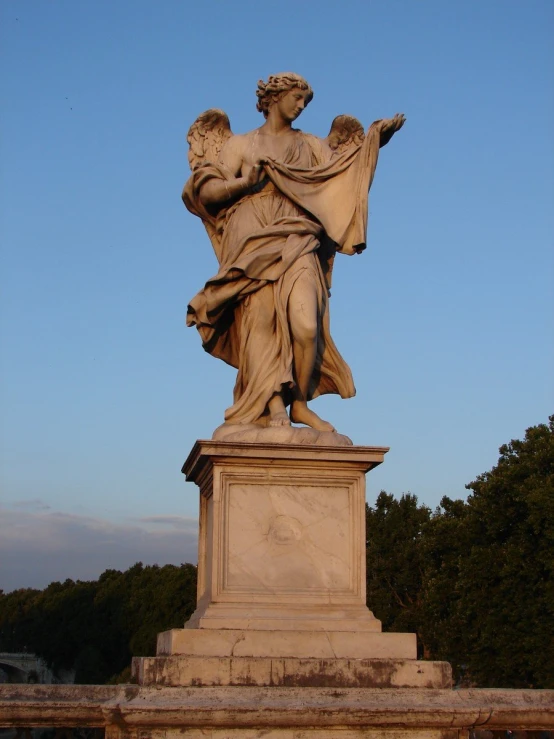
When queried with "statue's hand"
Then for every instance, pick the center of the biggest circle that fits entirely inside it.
(255, 176)
(395, 123)
(389, 126)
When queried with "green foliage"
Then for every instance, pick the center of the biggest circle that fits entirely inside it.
(96, 627)
(394, 565)
(475, 579)
(489, 582)
(503, 604)
(16, 618)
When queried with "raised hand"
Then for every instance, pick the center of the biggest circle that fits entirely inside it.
(389, 126)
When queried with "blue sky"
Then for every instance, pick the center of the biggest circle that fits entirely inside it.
(446, 319)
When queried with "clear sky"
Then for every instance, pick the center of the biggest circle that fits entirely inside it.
(446, 319)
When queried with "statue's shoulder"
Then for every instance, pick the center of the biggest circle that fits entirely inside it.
(243, 144)
(236, 141)
(309, 138)
(318, 146)
(248, 138)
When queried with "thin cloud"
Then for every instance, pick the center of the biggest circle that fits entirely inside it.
(37, 548)
(36, 504)
(177, 522)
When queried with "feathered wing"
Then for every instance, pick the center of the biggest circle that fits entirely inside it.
(206, 137)
(346, 132)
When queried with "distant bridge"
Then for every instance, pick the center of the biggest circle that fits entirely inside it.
(23, 667)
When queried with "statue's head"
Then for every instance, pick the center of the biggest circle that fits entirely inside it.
(277, 86)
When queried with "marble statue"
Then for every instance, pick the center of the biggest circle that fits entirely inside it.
(278, 204)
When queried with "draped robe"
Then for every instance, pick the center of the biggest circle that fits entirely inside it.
(290, 229)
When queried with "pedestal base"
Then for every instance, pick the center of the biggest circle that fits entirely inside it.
(282, 536)
(290, 672)
(281, 577)
(299, 644)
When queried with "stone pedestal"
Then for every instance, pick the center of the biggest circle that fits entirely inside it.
(281, 577)
(282, 536)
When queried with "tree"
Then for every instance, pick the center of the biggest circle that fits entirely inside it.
(445, 541)
(394, 565)
(16, 618)
(489, 582)
(96, 627)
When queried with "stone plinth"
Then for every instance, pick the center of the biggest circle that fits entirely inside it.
(301, 644)
(282, 536)
(182, 671)
(281, 577)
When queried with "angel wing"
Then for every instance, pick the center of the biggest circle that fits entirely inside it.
(206, 137)
(346, 131)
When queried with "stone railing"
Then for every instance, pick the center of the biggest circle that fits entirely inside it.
(353, 713)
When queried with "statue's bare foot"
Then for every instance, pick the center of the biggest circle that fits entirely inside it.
(280, 418)
(300, 413)
(278, 415)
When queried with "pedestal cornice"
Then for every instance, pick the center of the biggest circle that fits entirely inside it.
(360, 458)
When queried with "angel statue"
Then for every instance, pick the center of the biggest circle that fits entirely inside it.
(277, 204)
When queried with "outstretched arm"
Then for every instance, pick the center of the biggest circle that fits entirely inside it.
(389, 126)
(216, 191)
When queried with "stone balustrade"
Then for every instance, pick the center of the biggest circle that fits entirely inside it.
(129, 711)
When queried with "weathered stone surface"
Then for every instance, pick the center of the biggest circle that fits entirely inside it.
(279, 435)
(300, 644)
(280, 617)
(282, 536)
(310, 712)
(291, 672)
(307, 733)
(286, 733)
(282, 585)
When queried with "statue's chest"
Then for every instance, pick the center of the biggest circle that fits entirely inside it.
(284, 149)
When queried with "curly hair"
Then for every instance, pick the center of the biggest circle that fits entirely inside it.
(276, 86)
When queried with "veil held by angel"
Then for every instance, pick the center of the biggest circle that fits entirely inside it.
(278, 204)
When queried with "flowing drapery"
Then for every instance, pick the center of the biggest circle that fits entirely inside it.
(264, 243)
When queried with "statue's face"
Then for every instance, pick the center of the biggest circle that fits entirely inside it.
(292, 103)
